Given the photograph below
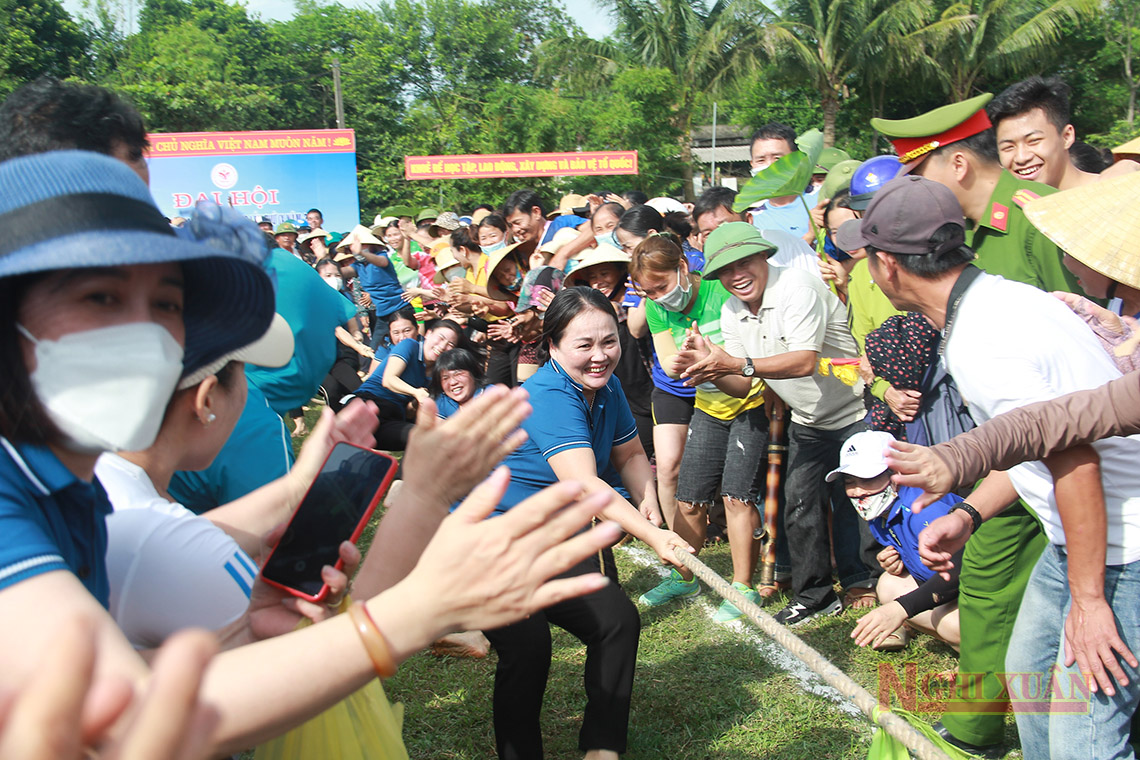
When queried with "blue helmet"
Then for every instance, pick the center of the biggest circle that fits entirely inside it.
(871, 175)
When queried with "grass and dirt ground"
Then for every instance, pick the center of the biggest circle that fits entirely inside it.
(702, 690)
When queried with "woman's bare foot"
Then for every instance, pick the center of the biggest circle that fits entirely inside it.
(601, 754)
(463, 644)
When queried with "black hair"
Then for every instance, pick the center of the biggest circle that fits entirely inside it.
(712, 199)
(47, 114)
(931, 266)
(612, 207)
(774, 130)
(407, 314)
(451, 360)
(495, 220)
(326, 261)
(523, 201)
(983, 145)
(317, 210)
(639, 220)
(1050, 95)
(679, 224)
(568, 303)
(842, 199)
(463, 238)
(23, 419)
(485, 207)
(461, 338)
(636, 197)
(228, 375)
(1089, 159)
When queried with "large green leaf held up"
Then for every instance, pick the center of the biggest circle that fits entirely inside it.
(787, 176)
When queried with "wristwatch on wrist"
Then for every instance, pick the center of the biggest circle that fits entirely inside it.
(973, 514)
(748, 370)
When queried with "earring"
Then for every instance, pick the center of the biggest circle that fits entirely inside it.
(210, 417)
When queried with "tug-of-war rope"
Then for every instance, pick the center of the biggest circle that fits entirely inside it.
(920, 745)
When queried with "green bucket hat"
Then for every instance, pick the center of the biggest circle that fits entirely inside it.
(398, 211)
(731, 242)
(829, 157)
(839, 178)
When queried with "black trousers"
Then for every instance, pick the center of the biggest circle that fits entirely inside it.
(608, 624)
(502, 363)
(394, 428)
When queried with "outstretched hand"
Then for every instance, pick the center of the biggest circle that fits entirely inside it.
(471, 443)
(919, 467)
(480, 573)
(65, 708)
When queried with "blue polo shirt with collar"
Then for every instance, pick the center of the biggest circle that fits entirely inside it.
(50, 520)
(562, 421)
(414, 374)
(899, 527)
(382, 284)
(445, 406)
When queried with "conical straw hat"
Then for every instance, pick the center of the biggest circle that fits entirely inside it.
(1097, 224)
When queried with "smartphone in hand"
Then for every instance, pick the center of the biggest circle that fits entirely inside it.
(335, 509)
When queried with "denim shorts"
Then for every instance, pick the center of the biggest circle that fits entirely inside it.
(723, 457)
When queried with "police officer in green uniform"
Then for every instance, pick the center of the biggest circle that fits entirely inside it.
(955, 145)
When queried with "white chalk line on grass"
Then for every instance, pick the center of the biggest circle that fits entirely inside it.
(770, 650)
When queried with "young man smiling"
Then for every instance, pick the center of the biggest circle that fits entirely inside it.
(1031, 122)
(776, 326)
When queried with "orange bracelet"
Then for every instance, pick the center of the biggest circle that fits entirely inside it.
(373, 640)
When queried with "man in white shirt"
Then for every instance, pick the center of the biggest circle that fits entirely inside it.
(777, 325)
(1008, 344)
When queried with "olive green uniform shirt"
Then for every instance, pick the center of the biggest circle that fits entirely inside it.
(867, 309)
(1009, 245)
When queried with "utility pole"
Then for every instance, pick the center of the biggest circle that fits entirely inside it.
(338, 94)
(712, 179)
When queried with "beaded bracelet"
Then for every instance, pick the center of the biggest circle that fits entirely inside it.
(373, 640)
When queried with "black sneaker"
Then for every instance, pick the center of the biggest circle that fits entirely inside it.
(798, 613)
(989, 751)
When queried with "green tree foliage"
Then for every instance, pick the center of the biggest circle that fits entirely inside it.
(38, 37)
(492, 76)
(829, 43)
(704, 49)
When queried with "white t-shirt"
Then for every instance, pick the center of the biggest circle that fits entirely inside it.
(1010, 345)
(168, 568)
(792, 252)
(798, 313)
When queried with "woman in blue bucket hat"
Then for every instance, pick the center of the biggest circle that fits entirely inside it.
(102, 311)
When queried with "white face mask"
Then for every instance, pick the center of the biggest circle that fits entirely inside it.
(677, 298)
(336, 283)
(107, 389)
(870, 507)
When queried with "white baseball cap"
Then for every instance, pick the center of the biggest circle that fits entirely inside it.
(863, 455)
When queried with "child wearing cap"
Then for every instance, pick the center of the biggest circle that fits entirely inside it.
(909, 591)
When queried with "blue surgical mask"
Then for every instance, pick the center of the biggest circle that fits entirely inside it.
(608, 239)
(514, 287)
(495, 246)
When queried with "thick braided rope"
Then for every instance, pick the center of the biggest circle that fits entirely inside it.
(922, 747)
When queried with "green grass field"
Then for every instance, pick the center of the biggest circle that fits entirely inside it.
(702, 690)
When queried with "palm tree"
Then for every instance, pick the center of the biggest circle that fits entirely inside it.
(835, 44)
(978, 40)
(704, 49)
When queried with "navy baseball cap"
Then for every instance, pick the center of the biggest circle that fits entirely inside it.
(69, 209)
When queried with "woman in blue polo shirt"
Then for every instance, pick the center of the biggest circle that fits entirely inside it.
(403, 377)
(457, 379)
(581, 425)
